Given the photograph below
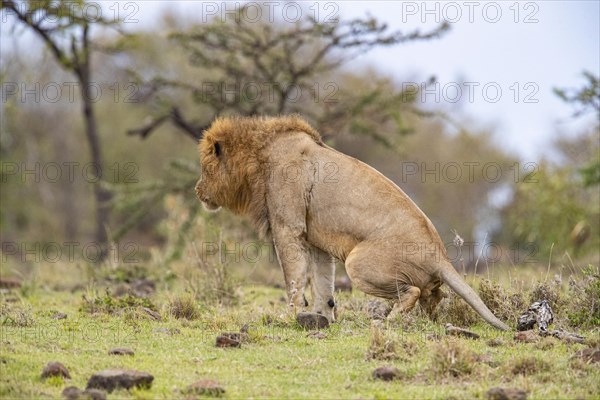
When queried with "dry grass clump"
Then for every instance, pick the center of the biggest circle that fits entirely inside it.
(381, 346)
(583, 308)
(184, 307)
(16, 316)
(529, 365)
(93, 303)
(550, 291)
(505, 305)
(452, 358)
(455, 310)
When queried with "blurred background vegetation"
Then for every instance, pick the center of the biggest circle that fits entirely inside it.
(162, 88)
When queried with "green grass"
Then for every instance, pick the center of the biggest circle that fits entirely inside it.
(280, 361)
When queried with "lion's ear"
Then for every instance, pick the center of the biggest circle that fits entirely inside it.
(217, 149)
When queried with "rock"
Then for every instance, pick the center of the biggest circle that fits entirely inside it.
(111, 379)
(9, 283)
(54, 368)
(495, 342)
(456, 331)
(228, 340)
(143, 287)
(567, 337)
(207, 387)
(94, 394)
(59, 315)
(436, 337)
(167, 331)
(386, 373)
(74, 393)
(343, 284)
(487, 359)
(121, 351)
(153, 314)
(378, 310)
(506, 394)
(588, 355)
(527, 336)
(317, 335)
(71, 393)
(309, 320)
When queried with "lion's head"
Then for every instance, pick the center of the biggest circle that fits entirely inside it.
(234, 160)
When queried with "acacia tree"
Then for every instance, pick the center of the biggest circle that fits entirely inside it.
(276, 68)
(64, 27)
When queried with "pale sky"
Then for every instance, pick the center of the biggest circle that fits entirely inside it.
(523, 49)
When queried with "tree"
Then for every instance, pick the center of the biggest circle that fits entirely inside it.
(275, 68)
(64, 27)
(555, 206)
(586, 99)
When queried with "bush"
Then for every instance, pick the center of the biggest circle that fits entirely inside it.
(381, 347)
(108, 304)
(505, 305)
(452, 358)
(184, 307)
(583, 309)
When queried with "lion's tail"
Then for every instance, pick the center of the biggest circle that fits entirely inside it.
(453, 279)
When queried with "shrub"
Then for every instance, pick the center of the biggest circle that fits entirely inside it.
(529, 365)
(184, 307)
(452, 358)
(583, 309)
(110, 305)
(505, 305)
(381, 347)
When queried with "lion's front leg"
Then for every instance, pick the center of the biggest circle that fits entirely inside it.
(322, 269)
(293, 254)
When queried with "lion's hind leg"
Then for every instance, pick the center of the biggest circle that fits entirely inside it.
(407, 298)
(430, 303)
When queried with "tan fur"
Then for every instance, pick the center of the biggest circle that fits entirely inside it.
(317, 203)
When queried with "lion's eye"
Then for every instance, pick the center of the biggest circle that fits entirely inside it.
(217, 149)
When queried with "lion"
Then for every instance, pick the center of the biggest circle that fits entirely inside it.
(316, 205)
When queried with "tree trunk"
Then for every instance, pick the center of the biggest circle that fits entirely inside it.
(101, 195)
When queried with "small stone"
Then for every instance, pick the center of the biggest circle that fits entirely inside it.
(588, 355)
(111, 379)
(506, 394)
(377, 309)
(167, 331)
(54, 368)
(153, 314)
(74, 393)
(309, 320)
(207, 387)
(343, 284)
(59, 316)
(228, 340)
(386, 373)
(566, 337)
(317, 335)
(495, 342)
(143, 287)
(121, 351)
(527, 336)
(71, 393)
(94, 394)
(436, 337)
(488, 360)
(9, 283)
(456, 331)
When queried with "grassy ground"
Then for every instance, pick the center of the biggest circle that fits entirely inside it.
(280, 360)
